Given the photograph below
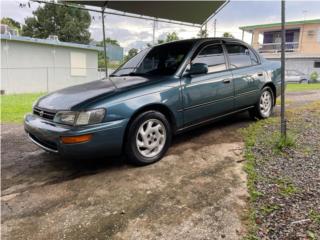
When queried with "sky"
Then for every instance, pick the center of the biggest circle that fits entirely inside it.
(136, 33)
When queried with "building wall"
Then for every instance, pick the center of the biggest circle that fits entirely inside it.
(30, 67)
(304, 65)
(308, 44)
(114, 53)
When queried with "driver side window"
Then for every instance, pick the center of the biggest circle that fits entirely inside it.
(213, 56)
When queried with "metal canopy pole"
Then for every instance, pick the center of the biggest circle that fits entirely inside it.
(104, 44)
(283, 43)
(154, 33)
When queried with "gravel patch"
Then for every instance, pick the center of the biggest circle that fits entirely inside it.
(287, 182)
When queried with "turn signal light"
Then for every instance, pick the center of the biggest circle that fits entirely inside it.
(76, 139)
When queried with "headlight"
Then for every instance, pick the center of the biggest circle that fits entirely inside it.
(90, 117)
(80, 118)
(65, 117)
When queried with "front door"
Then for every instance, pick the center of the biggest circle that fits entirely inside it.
(208, 95)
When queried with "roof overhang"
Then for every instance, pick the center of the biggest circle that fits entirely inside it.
(194, 12)
(272, 25)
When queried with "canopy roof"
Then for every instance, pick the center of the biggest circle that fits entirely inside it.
(196, 12)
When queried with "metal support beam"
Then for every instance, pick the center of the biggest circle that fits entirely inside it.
(104, 44)
(154, 32)
(252, 36)
(283, 42)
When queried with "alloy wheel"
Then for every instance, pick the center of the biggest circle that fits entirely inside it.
(266, 103)
(151, 138)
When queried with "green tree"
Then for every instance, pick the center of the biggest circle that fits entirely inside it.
(109, 41)
(101, 63)
(11, 23)
(203, 33)
(172, 37)
(131, 53)
(169, 38)
(314, 76)
(69, 24)
(228, 35)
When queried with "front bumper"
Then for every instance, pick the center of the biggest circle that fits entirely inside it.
(107, 138)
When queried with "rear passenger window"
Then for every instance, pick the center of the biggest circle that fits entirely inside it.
(213, 56)
(240, 56)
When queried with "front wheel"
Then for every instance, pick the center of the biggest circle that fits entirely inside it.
(148, 139)
(264, 107)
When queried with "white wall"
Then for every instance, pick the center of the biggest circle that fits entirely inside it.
(305, 65)
(28, 67)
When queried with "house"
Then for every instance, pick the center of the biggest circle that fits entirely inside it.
(44, 65)
(302, 43)
(114, 53)
(5, 29)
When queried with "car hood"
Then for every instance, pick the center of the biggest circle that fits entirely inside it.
(67, 98)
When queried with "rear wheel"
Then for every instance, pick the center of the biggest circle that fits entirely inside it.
(304, 81)
(149, 137)
(264, 107)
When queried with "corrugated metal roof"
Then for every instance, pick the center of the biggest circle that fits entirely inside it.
(252, 27)
(49, 42)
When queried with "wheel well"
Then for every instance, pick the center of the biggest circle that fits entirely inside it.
(155, 107)
(274, 91)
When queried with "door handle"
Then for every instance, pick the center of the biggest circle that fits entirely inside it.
(225, 81)
(260, 74)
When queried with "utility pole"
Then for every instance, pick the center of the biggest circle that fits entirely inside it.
(104, 43)
(215, 27)
(283, 44)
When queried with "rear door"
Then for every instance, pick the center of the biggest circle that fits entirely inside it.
(208, 95)
(248, 74)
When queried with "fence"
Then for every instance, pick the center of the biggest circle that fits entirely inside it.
(46, 79)
(276, 47)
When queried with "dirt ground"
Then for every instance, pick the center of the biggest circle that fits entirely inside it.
(198, 191)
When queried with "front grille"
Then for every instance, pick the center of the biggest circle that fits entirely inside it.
(44, 113)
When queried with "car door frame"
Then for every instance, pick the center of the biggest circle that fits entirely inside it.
(227, 71)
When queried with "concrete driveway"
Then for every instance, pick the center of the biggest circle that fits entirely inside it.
(198, 191)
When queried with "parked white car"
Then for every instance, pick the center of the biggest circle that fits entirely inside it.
(295, 76)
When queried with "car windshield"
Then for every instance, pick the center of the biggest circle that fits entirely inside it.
(161, 60)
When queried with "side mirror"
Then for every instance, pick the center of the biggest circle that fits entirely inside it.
(198, 68)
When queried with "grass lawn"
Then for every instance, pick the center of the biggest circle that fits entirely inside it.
(295, 87)
(14, 107)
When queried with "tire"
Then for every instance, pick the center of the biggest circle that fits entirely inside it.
(264, 107)
(148, 139)
(303, 81)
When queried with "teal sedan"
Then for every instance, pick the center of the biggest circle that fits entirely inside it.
(162, 91)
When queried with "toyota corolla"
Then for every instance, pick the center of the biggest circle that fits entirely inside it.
(162, 91)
